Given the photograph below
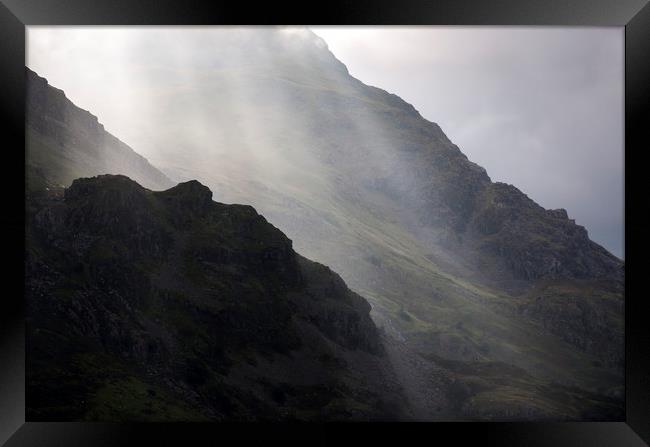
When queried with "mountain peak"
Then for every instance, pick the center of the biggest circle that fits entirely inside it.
(118, 185)
(192, 188)
(191, 196)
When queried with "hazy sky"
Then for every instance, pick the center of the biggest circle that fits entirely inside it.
(541, 108)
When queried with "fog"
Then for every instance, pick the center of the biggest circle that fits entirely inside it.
(540, 108)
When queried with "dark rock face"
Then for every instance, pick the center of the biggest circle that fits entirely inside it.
(65, 142)
(203, 310)
(534, 243)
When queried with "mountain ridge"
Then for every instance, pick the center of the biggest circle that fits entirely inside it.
(187, 297)
(483, 175)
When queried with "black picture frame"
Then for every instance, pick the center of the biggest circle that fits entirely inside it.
(634, 15)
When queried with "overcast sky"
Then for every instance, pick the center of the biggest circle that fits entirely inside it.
(541, 108)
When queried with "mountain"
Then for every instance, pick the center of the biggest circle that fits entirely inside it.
(456, 266)
(492, 306)
(168, 306)
(65, 142)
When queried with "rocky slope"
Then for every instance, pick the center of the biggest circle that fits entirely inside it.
(508, 229)
(65, 142)
(168, 306)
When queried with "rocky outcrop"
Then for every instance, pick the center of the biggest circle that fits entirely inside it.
(509, 229)
(205, 303)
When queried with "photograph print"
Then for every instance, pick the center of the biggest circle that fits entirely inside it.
(328, 223)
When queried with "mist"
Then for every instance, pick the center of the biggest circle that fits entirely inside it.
(540, 108)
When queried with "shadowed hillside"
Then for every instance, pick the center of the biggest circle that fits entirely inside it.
(168, 306)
